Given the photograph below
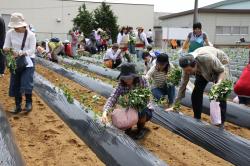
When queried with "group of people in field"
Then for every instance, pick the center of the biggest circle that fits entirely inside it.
(203, 61)
(206, 63)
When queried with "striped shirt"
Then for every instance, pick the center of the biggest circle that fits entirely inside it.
(159, 78)
(120, 91)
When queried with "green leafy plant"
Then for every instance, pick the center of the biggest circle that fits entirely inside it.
(137, 99)
(177, 106)
(221, 91)
(67, 93)
(96, 98)
(10, 60)
(174, 76)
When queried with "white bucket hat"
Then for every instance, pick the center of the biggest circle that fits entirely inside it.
(17, 21)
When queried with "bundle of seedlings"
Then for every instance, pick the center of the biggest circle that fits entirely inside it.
(136, 99)
(220, 92)
(174, 76)
(10, 60)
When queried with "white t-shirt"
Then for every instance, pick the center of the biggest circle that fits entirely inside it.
(150, 34)
(14, 40)
(110, 54)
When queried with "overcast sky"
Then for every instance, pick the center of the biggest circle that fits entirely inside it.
(171, 6)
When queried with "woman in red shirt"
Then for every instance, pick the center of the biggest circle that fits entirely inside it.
(242, 87)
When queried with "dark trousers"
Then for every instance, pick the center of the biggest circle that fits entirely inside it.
(116, 63)
(197, 99)
(2, 63)
(17, 89)
(244, 100)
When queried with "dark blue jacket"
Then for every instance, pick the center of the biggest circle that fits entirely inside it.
(2, 32)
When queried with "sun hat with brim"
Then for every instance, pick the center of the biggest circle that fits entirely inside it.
(127, 71)
(140, 28)
(17, 21)
(162, 58)
(115, 45)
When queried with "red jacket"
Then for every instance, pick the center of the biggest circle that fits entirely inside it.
(242, 87)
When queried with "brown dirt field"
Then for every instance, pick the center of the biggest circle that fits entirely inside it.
(44, 139)
(240, 131)
(170, 147)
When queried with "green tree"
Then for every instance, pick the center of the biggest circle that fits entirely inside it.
(84, 20)
(106, 19)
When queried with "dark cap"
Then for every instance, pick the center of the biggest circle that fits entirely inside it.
(128, 71)
(162, 58)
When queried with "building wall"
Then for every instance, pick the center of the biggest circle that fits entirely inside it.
(238, 5)
(43, 14)
(210, 21)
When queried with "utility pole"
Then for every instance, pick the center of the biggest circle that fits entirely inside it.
(196, 11)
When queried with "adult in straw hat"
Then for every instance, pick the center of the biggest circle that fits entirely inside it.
(22, 43)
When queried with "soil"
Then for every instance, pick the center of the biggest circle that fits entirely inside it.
(42, 137)
(168, 146)
(90, 74)
(240, 131)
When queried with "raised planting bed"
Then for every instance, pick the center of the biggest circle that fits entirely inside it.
(236, 113)
(9, 153)
(170, 147)
(42, 137)
(109, 144)
(197, 138)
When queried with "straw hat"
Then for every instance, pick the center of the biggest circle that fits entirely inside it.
(17, 21)
(140, 28)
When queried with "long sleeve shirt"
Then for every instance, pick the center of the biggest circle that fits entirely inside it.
(110, 54)
(14, 40)
(159, 78)
(122, 39)
(209, 65)
(120, 91)
(143, 37)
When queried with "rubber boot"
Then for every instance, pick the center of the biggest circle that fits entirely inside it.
(141, 131)
(28, 105)
(18, 102)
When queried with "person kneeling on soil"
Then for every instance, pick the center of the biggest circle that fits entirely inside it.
(208, 65)
(129, 81)
(55, 48)
(242, 87)
(112, 58)
(158, 75)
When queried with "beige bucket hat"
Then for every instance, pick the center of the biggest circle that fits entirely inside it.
(17, 21)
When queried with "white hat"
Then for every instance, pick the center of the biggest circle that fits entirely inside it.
(17, 21)
(99, 30)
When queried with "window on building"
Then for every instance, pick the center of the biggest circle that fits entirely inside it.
(223, 30)
(231, 30)
(235, 30)
(244, 30)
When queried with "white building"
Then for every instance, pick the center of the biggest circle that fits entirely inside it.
(224, 22)
(54, 17)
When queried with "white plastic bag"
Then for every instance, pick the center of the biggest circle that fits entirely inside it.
(215, 112)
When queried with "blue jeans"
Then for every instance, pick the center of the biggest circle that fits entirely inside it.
(131, 48)
(169, 90)
(139, 54)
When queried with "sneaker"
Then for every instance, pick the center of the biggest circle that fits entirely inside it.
(28, 107)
